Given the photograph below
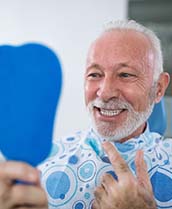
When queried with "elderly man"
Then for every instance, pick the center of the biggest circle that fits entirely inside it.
(104, 167)
(118, 163)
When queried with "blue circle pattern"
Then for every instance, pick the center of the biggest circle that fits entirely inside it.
(79, 205)
(87, 171)
(87, 195)
(79, 169)
(60, 190)
(73, 159)
(60, 183)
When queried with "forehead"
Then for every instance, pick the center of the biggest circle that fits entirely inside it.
(121, 46)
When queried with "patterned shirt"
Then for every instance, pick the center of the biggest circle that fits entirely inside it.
(77, 162)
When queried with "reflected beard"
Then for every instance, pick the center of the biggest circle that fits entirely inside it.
(130, 125)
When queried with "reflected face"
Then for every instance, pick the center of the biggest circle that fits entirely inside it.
(119, 90)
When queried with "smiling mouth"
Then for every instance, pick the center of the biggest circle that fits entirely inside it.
(108, 112)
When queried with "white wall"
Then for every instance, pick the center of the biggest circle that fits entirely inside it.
(68, 27)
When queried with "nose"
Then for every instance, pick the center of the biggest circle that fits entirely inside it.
(108, 89)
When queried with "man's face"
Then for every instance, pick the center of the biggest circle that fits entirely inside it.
(118, 83)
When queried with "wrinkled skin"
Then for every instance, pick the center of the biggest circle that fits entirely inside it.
(120, 69)
(129, 192)
(17, 195)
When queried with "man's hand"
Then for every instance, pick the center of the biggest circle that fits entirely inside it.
(18, 195)
(128, 192)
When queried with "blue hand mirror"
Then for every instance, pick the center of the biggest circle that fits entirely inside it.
(30, 86)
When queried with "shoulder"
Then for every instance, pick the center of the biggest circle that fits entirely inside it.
(70, 138)
(166, 143)
(65, 145)
(69, 141)
(161, 173)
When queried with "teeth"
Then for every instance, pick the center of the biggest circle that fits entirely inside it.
(110, 112)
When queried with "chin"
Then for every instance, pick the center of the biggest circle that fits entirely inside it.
(109, 135)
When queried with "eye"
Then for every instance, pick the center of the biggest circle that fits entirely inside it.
(126, 75)
(94, 76)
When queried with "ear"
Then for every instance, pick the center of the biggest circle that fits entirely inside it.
(162, 85)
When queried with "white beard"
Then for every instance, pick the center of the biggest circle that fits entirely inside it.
(131, 124)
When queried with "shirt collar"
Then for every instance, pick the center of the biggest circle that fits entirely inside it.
(147, 138)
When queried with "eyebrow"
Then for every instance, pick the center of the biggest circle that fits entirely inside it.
(125, 64)
(119, 65)
(115, 67)
(94, 65)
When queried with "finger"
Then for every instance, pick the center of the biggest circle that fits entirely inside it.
(145, 188)
(120, 167)
(95, 205)
(108, 183)
(12, 170)
(99, 192)
(28, 207)
(141, 171)
(28, 195)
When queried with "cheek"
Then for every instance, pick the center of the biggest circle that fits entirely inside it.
(138, 99)
(90, 92)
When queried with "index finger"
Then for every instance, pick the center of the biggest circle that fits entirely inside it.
(120, 166)
(12, 170)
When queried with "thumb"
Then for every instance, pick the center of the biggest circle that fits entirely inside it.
(141, 171)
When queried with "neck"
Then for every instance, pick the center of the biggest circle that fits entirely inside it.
(136, 133)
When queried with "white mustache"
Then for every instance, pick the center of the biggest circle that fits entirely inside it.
(111, 104)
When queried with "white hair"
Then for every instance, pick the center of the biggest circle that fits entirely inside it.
(155, 41)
